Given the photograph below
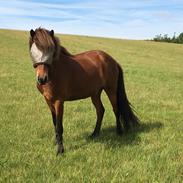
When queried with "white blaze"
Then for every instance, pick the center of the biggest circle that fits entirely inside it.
(38, 56)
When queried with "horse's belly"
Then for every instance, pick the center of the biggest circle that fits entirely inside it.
(71, 98)
(80, 94)
(83, 90)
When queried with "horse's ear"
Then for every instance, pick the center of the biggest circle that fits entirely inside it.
(32, 33)
(52, 33)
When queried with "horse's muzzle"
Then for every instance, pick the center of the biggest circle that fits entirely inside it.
(42, 80)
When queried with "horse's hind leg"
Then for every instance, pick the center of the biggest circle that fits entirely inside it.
(100, 113)
(112, 95)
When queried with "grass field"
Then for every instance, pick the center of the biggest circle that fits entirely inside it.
(153, 153)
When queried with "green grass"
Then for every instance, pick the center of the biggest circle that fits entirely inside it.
(153, 153)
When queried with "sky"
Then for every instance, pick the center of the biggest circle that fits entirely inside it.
(126, 19)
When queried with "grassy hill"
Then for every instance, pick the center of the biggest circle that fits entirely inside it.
(153, 153)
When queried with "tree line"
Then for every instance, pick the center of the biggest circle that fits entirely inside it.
(165, 38)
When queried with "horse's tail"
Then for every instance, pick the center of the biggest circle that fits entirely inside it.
(125, 111)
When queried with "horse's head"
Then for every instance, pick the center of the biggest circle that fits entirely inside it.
(42, 45)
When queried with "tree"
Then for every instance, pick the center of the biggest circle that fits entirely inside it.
(180, 38)
(166, 38)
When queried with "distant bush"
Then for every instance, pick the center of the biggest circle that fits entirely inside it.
(166, 38)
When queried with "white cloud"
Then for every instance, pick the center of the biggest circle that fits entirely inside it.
(139, 19)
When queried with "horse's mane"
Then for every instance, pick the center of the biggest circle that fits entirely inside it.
(42, 40)
(65, 51)
(45, 42)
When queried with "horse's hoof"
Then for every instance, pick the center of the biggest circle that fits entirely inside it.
(60, 150)
(136, 125)
(94, 135)
(119, 132)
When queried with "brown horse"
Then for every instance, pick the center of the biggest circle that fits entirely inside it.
(62, 77)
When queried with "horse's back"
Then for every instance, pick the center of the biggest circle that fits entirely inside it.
(102, 65)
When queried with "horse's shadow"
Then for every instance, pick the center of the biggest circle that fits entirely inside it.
(109, 137)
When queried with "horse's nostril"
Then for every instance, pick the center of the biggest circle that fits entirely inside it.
(45, 79)
(39, 80)
(42, 80)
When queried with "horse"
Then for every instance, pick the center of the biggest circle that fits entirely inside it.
(62, 76)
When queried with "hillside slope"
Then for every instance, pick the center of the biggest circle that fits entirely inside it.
(154, 84)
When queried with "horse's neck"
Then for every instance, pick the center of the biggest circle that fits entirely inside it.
(60, 59)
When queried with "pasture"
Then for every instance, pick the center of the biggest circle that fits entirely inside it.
(153, 153)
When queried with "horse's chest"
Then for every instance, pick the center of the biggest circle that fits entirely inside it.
(46, 92)
(48, 95)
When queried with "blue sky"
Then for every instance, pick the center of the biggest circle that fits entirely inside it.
(130, 19)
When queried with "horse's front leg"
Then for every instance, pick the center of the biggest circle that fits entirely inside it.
(54, 124)
(52, 109)
(59, 108)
